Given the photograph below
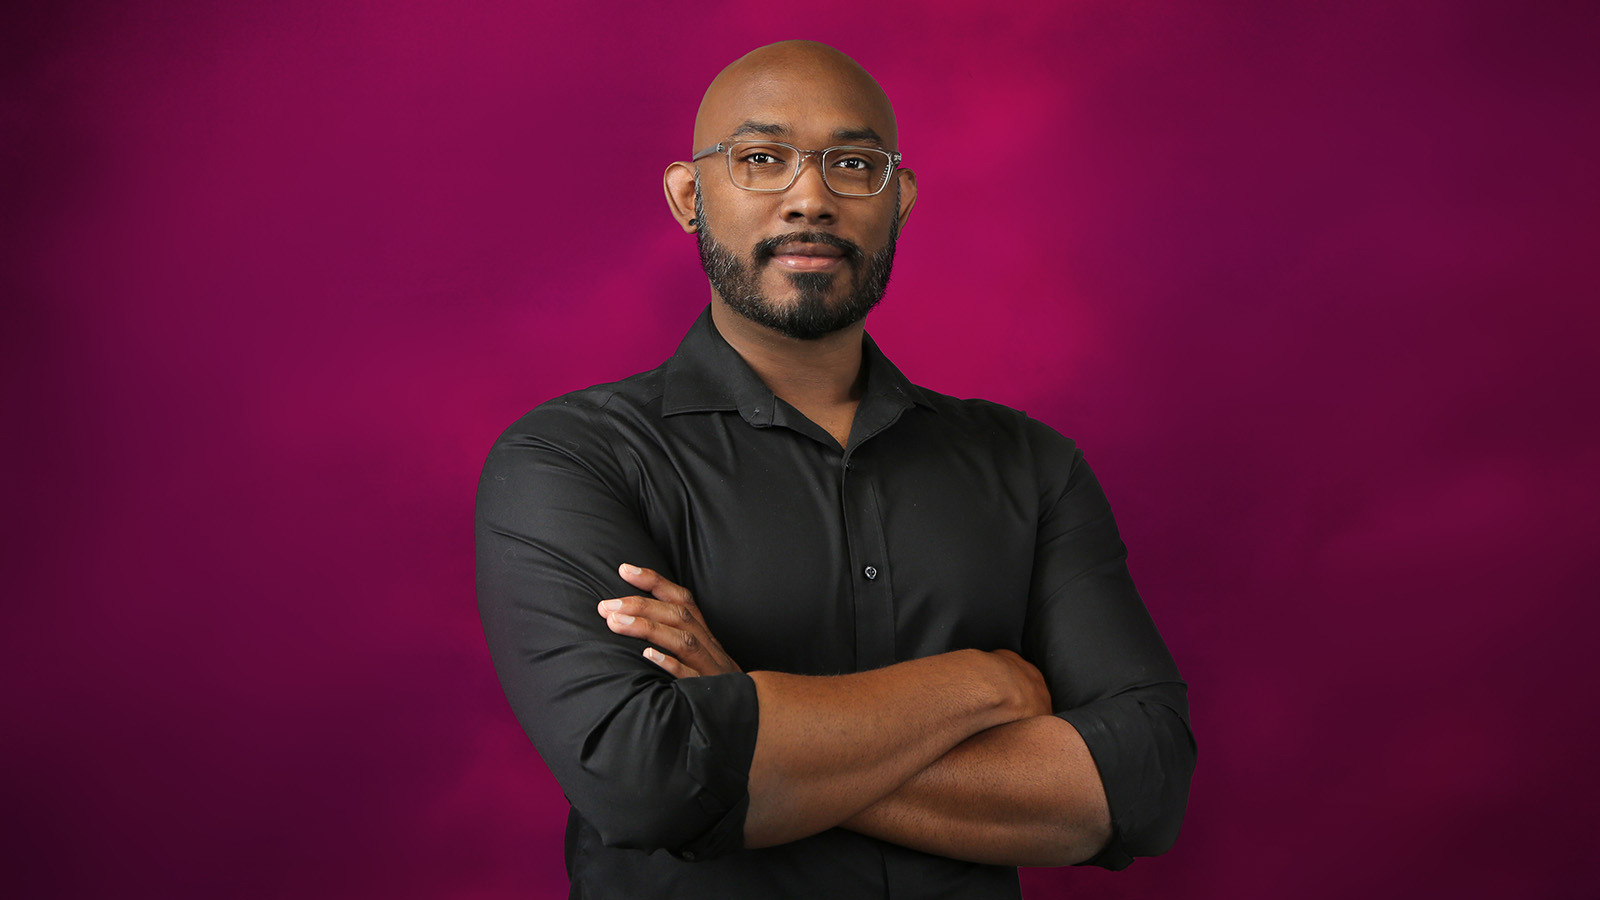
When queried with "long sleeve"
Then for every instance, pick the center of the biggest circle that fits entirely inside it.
(1108, 669)
(650, 762)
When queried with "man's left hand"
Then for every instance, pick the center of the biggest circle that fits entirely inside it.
(670, 621)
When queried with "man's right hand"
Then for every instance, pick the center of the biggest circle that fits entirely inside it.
(669, 620)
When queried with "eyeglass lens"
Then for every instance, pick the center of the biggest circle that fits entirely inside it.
(767, 166)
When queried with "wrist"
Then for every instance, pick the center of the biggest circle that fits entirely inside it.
(1022, 691)
(1001, 697)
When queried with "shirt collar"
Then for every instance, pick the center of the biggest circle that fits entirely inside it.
(707, 374)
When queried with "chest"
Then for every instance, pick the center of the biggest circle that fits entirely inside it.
(812, 560)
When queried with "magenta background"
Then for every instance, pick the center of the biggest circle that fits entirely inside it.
(1312, 285)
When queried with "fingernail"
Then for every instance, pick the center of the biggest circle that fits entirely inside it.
(612, 604)
(652, 654)
(623, 619)
(630, 569)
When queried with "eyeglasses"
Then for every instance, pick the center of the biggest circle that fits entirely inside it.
(772, 166)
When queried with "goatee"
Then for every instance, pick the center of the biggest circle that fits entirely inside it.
(810, 316)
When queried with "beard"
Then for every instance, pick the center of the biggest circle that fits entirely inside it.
(810, 316)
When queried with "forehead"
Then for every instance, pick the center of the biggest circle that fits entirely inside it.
(809, 105)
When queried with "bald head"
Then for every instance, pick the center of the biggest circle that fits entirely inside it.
(791, 80)
(803, 261)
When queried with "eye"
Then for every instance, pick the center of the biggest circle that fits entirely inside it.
(857, 160)
(761, 156)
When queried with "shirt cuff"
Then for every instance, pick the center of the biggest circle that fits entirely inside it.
(720, 762)
(1145, 753)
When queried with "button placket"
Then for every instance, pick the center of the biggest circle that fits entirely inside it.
(872, 593)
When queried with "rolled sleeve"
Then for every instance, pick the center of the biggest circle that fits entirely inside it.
(1107, 666)
(1142, 746)
(651, 762)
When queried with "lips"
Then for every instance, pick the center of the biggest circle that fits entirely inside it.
(807, 257)
(801, 248)
(808, 251)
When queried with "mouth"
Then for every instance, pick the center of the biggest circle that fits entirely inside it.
(808, 251)
(808, 257)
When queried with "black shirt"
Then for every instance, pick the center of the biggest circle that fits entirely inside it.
(943, 524)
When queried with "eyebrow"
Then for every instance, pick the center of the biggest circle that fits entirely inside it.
(768, 128)
(773, 129)
(858, 134)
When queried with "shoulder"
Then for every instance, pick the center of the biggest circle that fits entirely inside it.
(579, 418)
(1010, 441)
(571, 439)
(976, 417)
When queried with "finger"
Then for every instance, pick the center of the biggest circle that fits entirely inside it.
(654, 582)
(672, 666)
(688, 648)
(675, 615)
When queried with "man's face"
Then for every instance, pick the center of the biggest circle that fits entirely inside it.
(805, 261)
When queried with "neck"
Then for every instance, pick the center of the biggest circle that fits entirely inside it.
(813, 376)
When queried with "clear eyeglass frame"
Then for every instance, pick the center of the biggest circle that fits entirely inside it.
(726, 149)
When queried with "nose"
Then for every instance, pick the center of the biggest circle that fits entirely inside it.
(808, 199)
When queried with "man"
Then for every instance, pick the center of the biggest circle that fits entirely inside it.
(913, 658)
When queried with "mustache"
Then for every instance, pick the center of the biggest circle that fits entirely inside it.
(768, 248)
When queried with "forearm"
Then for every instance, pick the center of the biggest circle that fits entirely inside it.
(828, 747)
(1024, 793)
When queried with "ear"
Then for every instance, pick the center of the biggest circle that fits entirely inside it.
(678, 182)
(908, 194)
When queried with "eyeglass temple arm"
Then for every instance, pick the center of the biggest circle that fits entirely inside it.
(715, 148)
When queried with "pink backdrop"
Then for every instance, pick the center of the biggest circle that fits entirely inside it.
(1313, 286)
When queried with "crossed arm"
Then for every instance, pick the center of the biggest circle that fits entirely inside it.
(956, 754)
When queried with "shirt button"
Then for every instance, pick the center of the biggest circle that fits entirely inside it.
(870, 572)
